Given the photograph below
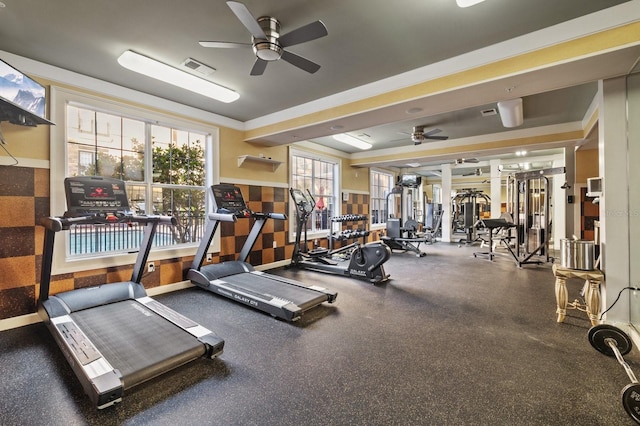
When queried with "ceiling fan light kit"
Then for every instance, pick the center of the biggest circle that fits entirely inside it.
(168, 74)
(268, 49)
(511, 112)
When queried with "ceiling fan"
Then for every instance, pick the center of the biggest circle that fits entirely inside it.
(476, 172)
(419, 135)
(267, 43)
(459, 161)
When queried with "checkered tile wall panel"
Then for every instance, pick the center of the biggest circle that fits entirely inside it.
(24, 199)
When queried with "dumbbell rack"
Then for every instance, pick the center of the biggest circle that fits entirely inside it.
(344, 235)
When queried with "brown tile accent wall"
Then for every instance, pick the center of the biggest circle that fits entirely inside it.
(24, 199)
(589, 213)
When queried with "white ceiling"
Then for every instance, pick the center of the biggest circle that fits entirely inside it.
(368, 41)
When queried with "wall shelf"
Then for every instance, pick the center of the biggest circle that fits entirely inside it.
(244, 158)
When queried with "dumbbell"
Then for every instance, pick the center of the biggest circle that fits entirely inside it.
(614, 342)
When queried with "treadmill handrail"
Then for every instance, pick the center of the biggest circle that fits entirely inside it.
(275, 216)
(222, 217)
(57, 224)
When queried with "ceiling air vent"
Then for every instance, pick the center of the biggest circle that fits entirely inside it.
(194, 65)
(488, 112)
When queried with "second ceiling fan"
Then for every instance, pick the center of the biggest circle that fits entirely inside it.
(419, 135)
(267, 43)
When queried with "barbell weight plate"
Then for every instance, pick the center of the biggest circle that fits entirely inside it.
(631, 400)
(598, 335)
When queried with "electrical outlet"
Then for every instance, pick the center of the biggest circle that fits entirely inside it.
(275, 244)
(209, 257)
(151, 267)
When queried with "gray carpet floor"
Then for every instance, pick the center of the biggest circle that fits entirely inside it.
(450, 340)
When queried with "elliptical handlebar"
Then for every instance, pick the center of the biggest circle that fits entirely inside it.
(305, 203)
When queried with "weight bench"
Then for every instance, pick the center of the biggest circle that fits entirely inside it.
(494, 227)
(404, 239)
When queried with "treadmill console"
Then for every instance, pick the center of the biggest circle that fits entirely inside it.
(229, 199)
(96, 196)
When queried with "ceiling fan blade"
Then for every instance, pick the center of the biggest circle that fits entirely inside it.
(258, 67)
(300, 62)
(432, 132)
(223, 44)
(303, 34)
(430, 135)
(247, 19)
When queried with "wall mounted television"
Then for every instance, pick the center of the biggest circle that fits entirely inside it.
(410, 180)
(22, 100)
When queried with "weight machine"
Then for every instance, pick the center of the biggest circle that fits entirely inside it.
(530, 201)
(404, 238)
(467, 211)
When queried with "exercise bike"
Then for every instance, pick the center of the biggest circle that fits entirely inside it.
(363, 261)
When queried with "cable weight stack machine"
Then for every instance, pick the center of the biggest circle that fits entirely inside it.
(114, 336)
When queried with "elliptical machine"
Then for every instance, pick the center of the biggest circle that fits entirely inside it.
(363, 261)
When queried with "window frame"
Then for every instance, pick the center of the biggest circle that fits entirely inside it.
(337, 200)
(391, 205)
(60, 97)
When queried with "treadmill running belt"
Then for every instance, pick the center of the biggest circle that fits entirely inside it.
(272, 288)
(136, 341)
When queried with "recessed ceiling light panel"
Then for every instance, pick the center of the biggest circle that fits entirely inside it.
(168, 74)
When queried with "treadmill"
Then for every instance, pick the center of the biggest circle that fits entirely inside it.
(237, 279)
(114, 336)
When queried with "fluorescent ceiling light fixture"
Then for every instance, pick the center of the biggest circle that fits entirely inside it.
(467, 3)
(163, 72)
(350, 140)
(511, 112)
(413, 164)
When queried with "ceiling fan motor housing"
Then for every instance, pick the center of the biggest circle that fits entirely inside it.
(269, 49)
(418, 135)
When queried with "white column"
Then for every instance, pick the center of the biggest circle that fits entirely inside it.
(614, 202)
(560, 206)
(496, 188)
(446, 203)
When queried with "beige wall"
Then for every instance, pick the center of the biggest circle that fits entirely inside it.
(232, 145)
(354, 178)
(586, 165)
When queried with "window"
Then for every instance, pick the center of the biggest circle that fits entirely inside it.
(165, 162)
(320, 177)
(381, 185)
(110, 145)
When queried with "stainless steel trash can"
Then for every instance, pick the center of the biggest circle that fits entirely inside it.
(577, 254)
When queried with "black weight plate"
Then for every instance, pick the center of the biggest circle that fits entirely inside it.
(598, 335)
(631, 401)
